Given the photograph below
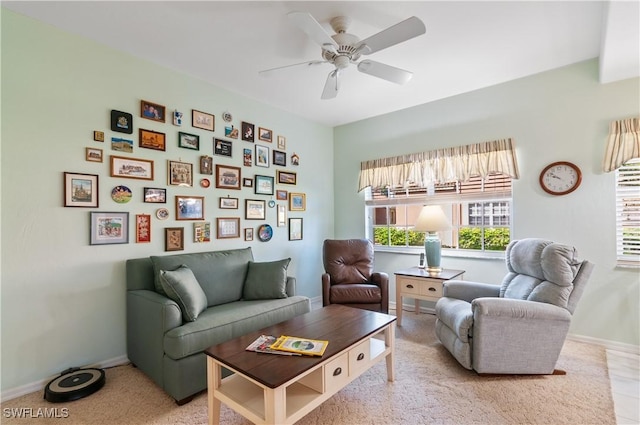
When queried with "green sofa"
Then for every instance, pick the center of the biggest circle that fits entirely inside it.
(178, 305)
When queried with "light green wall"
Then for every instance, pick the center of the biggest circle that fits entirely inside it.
(561, 115)
(63, 301)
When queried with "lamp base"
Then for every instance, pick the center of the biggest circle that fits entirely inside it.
(434, 271)
(432, 250)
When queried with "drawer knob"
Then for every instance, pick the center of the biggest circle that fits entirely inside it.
(410, 286)
(432, 289)
(360, 356)
(337, 372)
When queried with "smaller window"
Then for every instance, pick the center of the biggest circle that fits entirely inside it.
(628, 213)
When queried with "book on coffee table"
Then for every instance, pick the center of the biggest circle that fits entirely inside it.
(293, 344)
(263, 345)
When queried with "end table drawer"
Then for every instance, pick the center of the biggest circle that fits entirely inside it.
(410, 286)
(433, 289)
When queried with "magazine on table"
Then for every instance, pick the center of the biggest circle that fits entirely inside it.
(263, 345)
(293, 344)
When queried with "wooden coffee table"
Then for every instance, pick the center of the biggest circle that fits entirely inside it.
(275, 389)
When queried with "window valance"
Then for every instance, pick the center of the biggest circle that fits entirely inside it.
(442, 165)
(623, 143)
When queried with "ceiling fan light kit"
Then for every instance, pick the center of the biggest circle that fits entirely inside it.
(343, 49)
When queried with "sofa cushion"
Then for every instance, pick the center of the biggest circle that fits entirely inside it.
(182, 286)
(266, 280)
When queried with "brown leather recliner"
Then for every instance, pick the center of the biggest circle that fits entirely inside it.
(349, 278)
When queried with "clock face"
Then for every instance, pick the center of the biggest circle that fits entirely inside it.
(560, 178)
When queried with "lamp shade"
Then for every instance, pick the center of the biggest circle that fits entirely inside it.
(432, 219)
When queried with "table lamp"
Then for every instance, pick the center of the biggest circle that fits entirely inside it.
(431, 220)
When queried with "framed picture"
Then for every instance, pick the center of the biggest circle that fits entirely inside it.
(155, 195)
(93, 154)
(262, 156)
(202, 232)
(222, 147)
(282, 215)
(248, 233)
(265, 134)
(152, 140)
(131, 168)
(188, 141)
(279, 158)
(247, 182)
(295, 159)
(254, 209)
(295, 229)
(109, 228)
(282, 195)
(228, 227)
(80, 190)
(98, 136)
(231, 132)
(174, 238)
(143, 228)
(297, 201)
(228, 177)
(180, 173)
(122, 122)
(152, 111)
(248, 132)
(282, 142)
(247, 157)
(286, 177)
(189, 207)
(228, 203)
(202, 120)
(206, 165)
(121, 145)
(264, 185)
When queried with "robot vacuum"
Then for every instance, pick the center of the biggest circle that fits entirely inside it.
(73, 384)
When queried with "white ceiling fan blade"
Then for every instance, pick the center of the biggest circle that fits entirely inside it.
(403, 31)
(386, 72)
(331, 86)
(267, 72)
(313, 29)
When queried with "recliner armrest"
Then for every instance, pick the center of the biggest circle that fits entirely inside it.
(468, 291)
(326, 284)
(382, 280)
(518, 309)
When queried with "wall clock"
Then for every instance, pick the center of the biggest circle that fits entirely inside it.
(560, 178)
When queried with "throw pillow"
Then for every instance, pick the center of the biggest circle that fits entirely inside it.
(266, 280)
(183, 287)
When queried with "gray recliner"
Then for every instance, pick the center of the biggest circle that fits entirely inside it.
(518, 327)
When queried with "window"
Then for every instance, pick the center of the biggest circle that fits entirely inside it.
(628, 213)
(479, 211)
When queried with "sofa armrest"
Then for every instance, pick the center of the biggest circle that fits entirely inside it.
(291, 286)
(468, 291)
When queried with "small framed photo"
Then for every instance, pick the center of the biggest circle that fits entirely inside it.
(155, 195)
(228, 203)
(143, 228)
(228, 227)
(121, 145)
(262, 156)
(264, 185)
(222, 147)
(247, 157)
(202, 232)
(189, 207)
(231, 132)
(93, 154)
(282, 195)
(248, 233)
(152, 140)
(248, 132)
(282, 215)
(80, 190)
(286, 177)
(188, 141)
(152, 111)
(279, 158)
(122, 122)
(297, 202)
(180, 173)
(247, 182)
(206, 165)
(131, 168)
(265, 134)
(282, 142)
(295, 159)
(254, 209)
(109, 228)
(295, 229)
(228, 177)
(174, 238)
(98, 136)
(202, 120)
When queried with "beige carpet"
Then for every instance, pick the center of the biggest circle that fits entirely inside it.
(430, 388)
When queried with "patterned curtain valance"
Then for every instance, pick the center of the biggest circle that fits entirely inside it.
(623, 143)
(441, 165)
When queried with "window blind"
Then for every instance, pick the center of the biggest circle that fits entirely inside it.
(628, 213)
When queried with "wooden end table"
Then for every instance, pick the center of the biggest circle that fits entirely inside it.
(419, 284)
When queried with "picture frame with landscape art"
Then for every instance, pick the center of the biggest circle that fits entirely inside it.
(265, 134)
(254, 209)
(109, 228)
(189, 207)
(131, 168)
(286, 177)
(93, 155)
(262, 156)
(80, 190)
(188, 141)
(155, 195)
(279, 158)
(152, 140)
(297, 201)
(263, 185)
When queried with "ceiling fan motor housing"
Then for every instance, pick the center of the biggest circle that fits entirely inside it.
(345, 53)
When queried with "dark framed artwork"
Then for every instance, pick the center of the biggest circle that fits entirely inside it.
(81, 190)
(189, 207)
(247, 182)
(122, 122)
(286, 177)
(222, 147)
(264, 185)
(109, 228)
(188, 141)
(174, 238)
(152, 140)
(152, 111)
(180, 173)
(202, 120)
(279, 158)
(295, 229)
(155, 195)
(254, 209)
(265, 134)
(248, 132)
(228, 177)
(248, 233)
(206, 165)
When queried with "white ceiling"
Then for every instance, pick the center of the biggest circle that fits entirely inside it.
(468, 45)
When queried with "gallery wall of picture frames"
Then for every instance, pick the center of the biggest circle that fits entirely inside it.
(239, 149)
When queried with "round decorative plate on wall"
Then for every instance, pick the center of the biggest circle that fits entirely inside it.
(265, 233)
(121, 194)
(560, 178)
(162, 213)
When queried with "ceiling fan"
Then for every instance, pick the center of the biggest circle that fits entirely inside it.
(343, 49)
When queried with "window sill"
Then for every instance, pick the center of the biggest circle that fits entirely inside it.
(497, 255)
